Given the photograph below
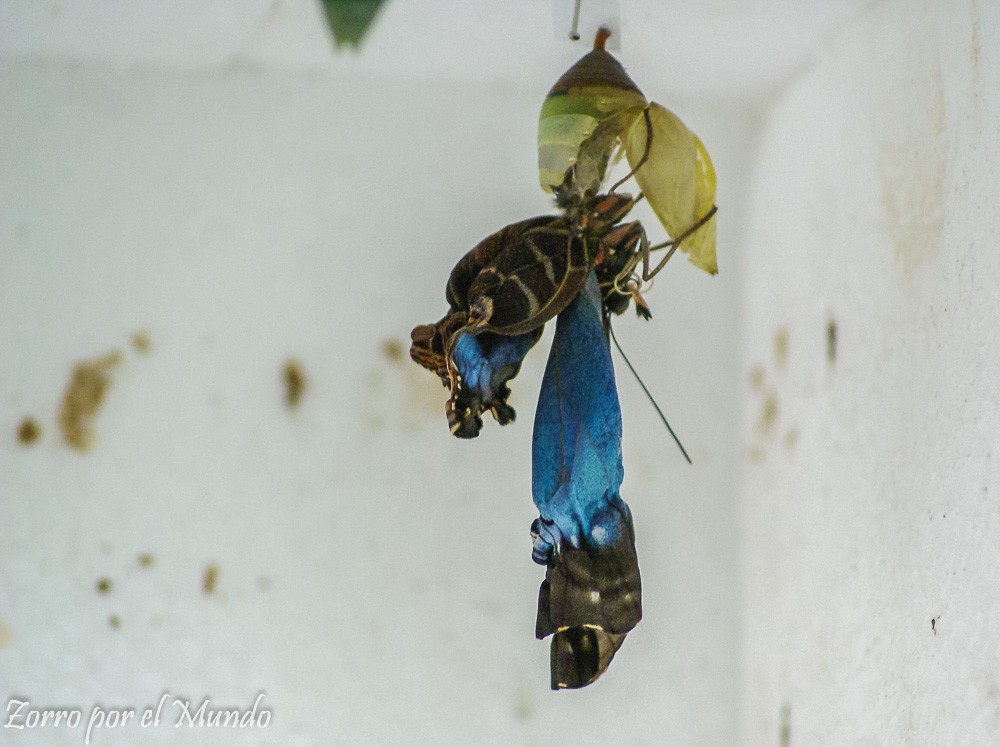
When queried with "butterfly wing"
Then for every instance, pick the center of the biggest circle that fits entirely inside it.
(467, 269)
(591, 596)
(531, 281)
(481, 366)
(478, 378)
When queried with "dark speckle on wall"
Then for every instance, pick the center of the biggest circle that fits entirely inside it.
(831, 341)
(768, 412)
(295, 382)
(781, 347)
(29, 431)
(785, 726)
(141, 341)
(392, 349)
(209, 578)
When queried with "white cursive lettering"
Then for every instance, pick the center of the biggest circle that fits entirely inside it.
(35, 718)
(206, 716)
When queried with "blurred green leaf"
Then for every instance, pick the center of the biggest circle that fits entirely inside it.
(350, 19)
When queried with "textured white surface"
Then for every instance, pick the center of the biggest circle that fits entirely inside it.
(375, 576)
(870, 506)
(213, 173)
(715, 48)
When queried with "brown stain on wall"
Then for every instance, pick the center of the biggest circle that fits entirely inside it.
(768, 412)
(393, 350)
(141, 342)
(210, 578)
(907, 115)
(781, 347)
(88, 384)
(295, 383)
(785, 725)
(29, 431)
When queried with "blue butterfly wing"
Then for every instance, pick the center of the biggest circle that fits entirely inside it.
(483, 364)
(591, 596)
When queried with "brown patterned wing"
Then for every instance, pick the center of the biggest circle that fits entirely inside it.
(482, 254)
(530, 282)
(430, 341)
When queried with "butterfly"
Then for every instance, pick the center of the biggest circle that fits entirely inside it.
(591, 596)
(579, 267)
(503, 291)
(500, 295)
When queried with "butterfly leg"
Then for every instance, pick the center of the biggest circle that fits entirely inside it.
(618, 254)
(672, 245)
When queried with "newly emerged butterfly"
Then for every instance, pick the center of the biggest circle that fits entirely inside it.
(580, 267)
(500, 295)
(502, 292)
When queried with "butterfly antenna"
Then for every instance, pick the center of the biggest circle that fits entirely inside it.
(650, 396)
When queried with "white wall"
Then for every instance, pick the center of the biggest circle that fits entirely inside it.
(247, 210)
(212, 173)
(870, 502)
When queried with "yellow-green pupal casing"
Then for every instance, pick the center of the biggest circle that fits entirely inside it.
(677, 179)
(586, 113)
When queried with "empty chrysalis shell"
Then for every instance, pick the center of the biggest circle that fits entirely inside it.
(678, 180)
(582, 119)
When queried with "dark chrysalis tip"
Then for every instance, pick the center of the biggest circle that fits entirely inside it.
(596, 68)
(590, 599)
(581, 655)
